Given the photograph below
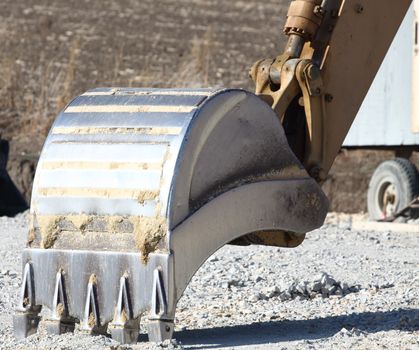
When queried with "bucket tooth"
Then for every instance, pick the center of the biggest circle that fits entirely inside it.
(59, 322)
(91, 318)
(158, 302)
(124, 328)
(160, 330)
(137, 188)
(26, 318)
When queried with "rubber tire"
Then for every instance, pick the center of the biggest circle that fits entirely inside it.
(11, 200)
(403, 175)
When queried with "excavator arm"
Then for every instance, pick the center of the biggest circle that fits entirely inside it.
(136, 188)
(334, 51)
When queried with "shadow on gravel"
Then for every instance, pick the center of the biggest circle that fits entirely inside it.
(282, 331)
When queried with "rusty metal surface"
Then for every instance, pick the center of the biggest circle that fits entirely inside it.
(304, 18)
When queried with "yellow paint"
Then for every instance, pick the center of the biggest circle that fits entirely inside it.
(130, 109)
(60, 130)
(140, 196)
(147, 93)
(101, 166)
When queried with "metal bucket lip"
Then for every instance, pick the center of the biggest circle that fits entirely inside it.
(192, 130)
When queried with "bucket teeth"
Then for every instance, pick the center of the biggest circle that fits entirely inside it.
(26, 318)
(59, 322)
(59, 303)
(124, 328)
(91, 322)
(159, 302)
(101, 298)
(123, 311)
(160, 330)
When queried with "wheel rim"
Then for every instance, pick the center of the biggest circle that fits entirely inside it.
(388, 199)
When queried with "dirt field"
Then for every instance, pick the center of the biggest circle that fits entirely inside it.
(54, 50)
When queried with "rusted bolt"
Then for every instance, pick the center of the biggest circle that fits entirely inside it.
(317, 91)
(328, 98)
(359, 8)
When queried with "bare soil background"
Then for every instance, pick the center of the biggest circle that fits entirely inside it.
(53, 50)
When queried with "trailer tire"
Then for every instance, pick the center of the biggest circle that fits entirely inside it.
(392, 187)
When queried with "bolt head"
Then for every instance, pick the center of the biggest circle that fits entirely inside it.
(328, 98)
(313, 72)
(359, 8)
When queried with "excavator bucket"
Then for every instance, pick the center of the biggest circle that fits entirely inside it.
(136, 188)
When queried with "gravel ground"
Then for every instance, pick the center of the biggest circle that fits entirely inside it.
(344, 288)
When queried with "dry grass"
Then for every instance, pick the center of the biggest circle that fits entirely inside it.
(29, 100)
(194, 70)
(31, 95)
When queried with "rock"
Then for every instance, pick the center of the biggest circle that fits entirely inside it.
(235, 283)
(327, 281)
(301, 288)
(270, 292)
(344, 286)
(285, 296)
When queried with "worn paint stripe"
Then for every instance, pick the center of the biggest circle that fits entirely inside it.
(147, 92)
(103, 130)
(101, 166)
(99, 179)
(130, 109)
(113, 138)
(140, 196)
(137, 100)
(125, 120)
(95, 206)
(95, 152)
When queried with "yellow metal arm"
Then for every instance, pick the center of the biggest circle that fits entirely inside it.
(334, 51)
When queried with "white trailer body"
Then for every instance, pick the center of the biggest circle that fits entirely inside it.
(389, 119)
(389, 115)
